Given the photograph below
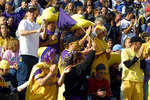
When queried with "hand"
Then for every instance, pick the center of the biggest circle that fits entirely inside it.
(52, 68)
(132, 21)
(101, 93)
(54, 37)
(15, 66)
(39, 30)
(67, 70)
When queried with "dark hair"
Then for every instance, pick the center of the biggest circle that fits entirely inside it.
(7, 35)
(136, 39)
(100, 67)
(77, 56)
(110, 16)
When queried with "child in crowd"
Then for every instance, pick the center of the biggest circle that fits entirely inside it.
(8, 83)
(98, 87)
(12, 56)
(127, 43)
(102, 53)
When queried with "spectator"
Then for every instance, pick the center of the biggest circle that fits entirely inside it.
(79, 10)
(127, 26)
(12, 54)
(127, 43)
(102, 52)
(3, 20)
(34, 3)
(2, 5)
(132, 78)
(98, 87)
(120, 6)
(97, 13)
(77, 3)
(29, 33)
(76, 84)
(64, 3)
(89, 14)
(69, 8)
(110, 43)
(51, 39)
(98, 3)
(5, 37)
(22, 8)
(44, 78)
(8, 82)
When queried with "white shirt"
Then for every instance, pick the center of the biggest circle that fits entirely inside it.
(29, 44)
(124, 25)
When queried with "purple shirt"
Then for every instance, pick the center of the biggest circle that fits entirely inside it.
(55, 46)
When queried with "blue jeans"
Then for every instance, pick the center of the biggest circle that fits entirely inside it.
(24, 68)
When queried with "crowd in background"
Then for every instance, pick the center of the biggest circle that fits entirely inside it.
(107, 57)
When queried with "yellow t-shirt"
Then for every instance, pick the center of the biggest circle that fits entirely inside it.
(134, 73)
(7, 40)
(46, 92)
(101, 46)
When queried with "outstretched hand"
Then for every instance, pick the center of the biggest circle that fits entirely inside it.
(67, 70)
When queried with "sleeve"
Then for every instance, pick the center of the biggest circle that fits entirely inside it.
(129, 63)
(38, 74)
(22, 26)
(125, 59)
(85, 66)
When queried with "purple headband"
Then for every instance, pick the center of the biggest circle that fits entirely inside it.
(48, 55)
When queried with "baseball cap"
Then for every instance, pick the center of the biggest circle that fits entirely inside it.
(117, 47)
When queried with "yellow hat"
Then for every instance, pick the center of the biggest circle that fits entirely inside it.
(4, 64)
(49, 14)
(99, 29)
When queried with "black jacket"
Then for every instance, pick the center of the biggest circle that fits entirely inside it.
(76, 83)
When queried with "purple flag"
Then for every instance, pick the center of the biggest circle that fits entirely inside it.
(65, 21)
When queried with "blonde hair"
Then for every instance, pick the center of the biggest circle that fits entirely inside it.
(14, 43)
(100, 29)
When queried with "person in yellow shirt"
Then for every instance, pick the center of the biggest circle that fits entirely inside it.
(102, 52)
(5, 39)
(44, 78)
(146, 46)
(132, 74)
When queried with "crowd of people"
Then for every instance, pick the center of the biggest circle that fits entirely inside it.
(99, 51)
